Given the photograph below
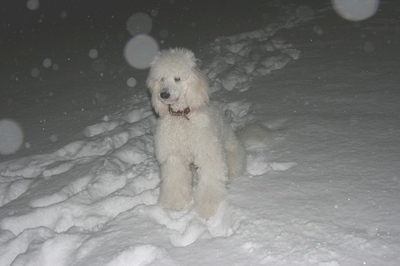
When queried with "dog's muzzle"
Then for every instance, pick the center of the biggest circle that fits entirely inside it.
(164, 94)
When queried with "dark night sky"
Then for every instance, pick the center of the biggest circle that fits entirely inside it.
(70, 24)
(15, 16)
(76, 24)
(18, 23)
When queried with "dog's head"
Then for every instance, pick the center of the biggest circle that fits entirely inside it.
(174, 80)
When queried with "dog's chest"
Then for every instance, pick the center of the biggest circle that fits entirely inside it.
(179, 135)
(175, 129)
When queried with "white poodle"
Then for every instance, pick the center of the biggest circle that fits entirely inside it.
(190, 132)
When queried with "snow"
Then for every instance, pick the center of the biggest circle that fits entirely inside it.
(319, 92)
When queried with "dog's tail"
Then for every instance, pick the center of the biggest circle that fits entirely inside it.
(256, 136)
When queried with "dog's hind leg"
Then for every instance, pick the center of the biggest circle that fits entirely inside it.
(176, 184)
(235, 156)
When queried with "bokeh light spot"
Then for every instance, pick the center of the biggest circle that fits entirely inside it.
(355, 10)
(63, 14)
(11, 136)
(318, 30)
(93, 53)
(139, 23)
(164, 34)
(131, 82)
(140, 51)
(47, 62)
(154, 13)
(35, 72)
(53, 138)
(32, 4)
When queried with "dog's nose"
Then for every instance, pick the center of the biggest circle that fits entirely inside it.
(164, 95)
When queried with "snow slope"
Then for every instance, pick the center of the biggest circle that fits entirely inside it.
(324, 191)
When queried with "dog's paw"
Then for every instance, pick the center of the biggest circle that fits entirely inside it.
(175, 202)
(208, 209)
(207, 204)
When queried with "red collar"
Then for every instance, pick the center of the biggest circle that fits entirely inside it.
(183, 112)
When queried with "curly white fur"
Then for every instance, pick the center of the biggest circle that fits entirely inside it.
(201, 137)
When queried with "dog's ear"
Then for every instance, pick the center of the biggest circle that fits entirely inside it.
(197, 93)
(154, 86)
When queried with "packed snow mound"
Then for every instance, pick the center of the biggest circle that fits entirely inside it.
(90, 188)
(64, 206)
(241, 58)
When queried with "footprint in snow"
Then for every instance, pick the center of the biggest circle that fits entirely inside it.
(185, 227)
(259, 165)
(241, 58)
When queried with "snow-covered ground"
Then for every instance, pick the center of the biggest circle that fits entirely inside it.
(325, 190)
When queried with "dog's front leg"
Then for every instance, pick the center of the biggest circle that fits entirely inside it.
(211, 188)
(176, 184)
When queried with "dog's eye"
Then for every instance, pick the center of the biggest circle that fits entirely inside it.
(177, 79)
